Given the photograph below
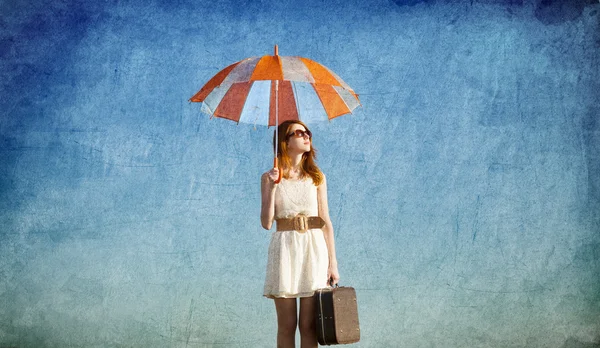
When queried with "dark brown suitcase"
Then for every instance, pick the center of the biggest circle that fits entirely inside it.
(337, 315)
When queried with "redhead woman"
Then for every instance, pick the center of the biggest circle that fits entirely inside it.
(302, 249)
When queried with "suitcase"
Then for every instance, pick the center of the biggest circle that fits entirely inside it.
(337, 315)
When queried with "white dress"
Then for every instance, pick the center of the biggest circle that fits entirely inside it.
(297, 264)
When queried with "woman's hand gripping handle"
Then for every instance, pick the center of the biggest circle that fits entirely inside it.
(275, 173)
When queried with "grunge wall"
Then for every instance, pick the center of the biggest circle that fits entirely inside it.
(465, 192)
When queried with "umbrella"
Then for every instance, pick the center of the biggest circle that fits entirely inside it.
(268, 90)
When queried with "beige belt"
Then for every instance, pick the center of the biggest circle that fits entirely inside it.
(300, 223)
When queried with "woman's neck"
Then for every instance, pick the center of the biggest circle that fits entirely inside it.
(296, 161)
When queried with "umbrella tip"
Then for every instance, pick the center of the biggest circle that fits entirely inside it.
(276, 50)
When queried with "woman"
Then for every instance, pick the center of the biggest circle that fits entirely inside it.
(302, 250)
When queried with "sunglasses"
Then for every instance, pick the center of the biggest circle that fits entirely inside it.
(300, 134)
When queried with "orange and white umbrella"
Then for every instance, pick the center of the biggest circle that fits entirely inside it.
(269, 90)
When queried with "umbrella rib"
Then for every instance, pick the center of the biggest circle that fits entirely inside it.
(296, 99)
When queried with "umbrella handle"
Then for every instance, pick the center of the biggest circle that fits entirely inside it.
(275, 166)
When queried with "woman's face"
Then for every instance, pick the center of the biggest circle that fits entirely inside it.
(299, 140)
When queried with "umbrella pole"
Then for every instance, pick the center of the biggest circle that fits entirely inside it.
(276, 126)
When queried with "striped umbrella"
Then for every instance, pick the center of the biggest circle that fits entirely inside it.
(269, 90)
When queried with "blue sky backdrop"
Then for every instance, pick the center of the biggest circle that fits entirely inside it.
(465, 192)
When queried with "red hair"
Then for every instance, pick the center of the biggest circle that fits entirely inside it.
(308, 164)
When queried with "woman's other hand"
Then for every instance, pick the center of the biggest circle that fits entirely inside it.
(333, 275)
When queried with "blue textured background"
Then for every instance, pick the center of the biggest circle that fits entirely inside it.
(465, 193)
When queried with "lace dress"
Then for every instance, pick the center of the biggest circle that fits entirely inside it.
(297, 263)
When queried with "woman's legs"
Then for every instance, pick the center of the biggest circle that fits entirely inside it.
(308, 324)
(286, 322)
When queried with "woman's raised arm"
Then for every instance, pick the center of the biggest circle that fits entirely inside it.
(267, 189)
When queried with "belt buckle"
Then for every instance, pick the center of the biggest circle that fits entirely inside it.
(300, 223)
